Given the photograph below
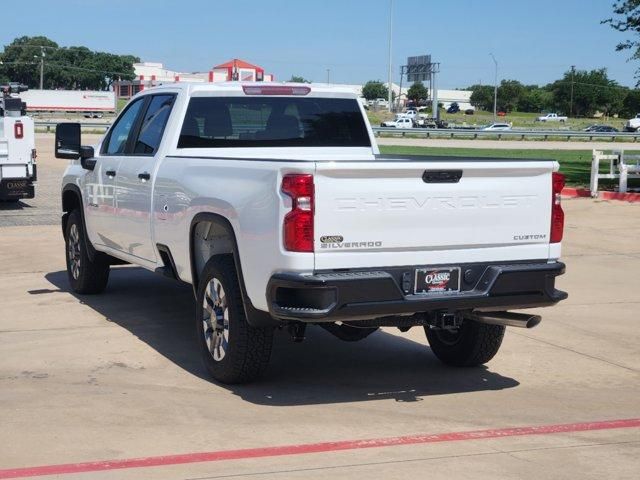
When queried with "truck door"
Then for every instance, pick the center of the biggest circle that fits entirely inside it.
(99, 184)
(134, 182)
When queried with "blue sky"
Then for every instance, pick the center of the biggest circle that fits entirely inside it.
(533, 41)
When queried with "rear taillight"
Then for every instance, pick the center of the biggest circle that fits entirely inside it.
(18, 130)
(557, 215)
(298, 223)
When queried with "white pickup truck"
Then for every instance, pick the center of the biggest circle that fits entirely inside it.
(551, 117)
(633, 124)
(400, 121)
(273, 201)
(18, 170)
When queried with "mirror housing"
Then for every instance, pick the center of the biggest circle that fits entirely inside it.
(68, 141)
(87, 158)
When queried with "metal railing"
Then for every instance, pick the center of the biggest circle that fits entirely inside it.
(51, 126)
(506, 134)
(441, 132)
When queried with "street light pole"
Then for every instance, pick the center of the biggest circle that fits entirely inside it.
(573, 72)
(328, 75)
(495, 89)
(390, 99)
(41, 68)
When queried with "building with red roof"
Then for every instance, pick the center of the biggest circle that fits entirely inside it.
(149, 74)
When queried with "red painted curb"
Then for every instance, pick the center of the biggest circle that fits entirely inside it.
(575, 192)
(570, 192)
(312, 448)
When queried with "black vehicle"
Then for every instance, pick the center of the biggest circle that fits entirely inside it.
(601, 129)
(453, 108)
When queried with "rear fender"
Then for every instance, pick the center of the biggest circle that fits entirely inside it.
(226, 244)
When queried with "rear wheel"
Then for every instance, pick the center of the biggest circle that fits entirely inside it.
(232, 350)
(471, 344)
(86, 275)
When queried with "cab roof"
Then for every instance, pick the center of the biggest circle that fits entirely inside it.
(253, 89)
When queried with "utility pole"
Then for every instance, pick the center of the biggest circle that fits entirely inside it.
(573, 72)
(390, 65)
(41, 67)
(495, 90)
(435, 110)
(328, 76)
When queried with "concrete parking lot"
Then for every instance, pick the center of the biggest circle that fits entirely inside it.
(115, 377)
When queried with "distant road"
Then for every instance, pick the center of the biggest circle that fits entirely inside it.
(506, 144)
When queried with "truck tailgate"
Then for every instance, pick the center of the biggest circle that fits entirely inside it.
(410, 212)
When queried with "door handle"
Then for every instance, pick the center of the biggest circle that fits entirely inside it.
(144, 176)
(110, 173)
(441, 176)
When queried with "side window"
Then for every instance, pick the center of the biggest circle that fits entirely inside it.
(155, 119)
(119, 135)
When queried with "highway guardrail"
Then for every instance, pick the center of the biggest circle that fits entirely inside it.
(506, 134)
(443, 133)
(51, 126)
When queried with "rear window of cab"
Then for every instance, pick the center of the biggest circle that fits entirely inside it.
(253, 121)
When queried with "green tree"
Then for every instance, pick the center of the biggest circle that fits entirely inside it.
(593, 92)
(64, 67)
(298, 79)
(21, 59)
(509, 94)
(482, 97)
(417, 92)
(375, 89)
(627, 20)
(535, 99)
(631, 104)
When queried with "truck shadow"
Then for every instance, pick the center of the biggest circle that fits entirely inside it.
(320, 370)
(13, 206)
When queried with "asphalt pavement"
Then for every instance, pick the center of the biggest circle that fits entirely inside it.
(111, 386)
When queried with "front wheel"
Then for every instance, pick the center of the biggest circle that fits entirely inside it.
(232, 350)
(86, 275)
(471, 344)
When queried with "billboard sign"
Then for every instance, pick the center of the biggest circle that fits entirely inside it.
(419, 68)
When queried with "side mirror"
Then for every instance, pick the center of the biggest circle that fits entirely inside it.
(68, 141)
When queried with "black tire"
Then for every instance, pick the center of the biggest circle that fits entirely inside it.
(471, 345)
(348, 333)
(232, 350)
(86, 276)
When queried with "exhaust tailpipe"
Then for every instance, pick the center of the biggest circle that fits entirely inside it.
(508, 319)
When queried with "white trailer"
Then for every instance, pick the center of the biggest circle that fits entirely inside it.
(90, 102)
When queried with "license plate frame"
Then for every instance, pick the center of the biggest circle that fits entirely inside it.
(436, 281)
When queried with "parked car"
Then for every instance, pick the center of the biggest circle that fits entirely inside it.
(411, 113)
(497, 127)
(382, 102)
(601, 129)
(633, 125)
(399, 122)
(453, 108)
(280, 222)
(551, 117)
